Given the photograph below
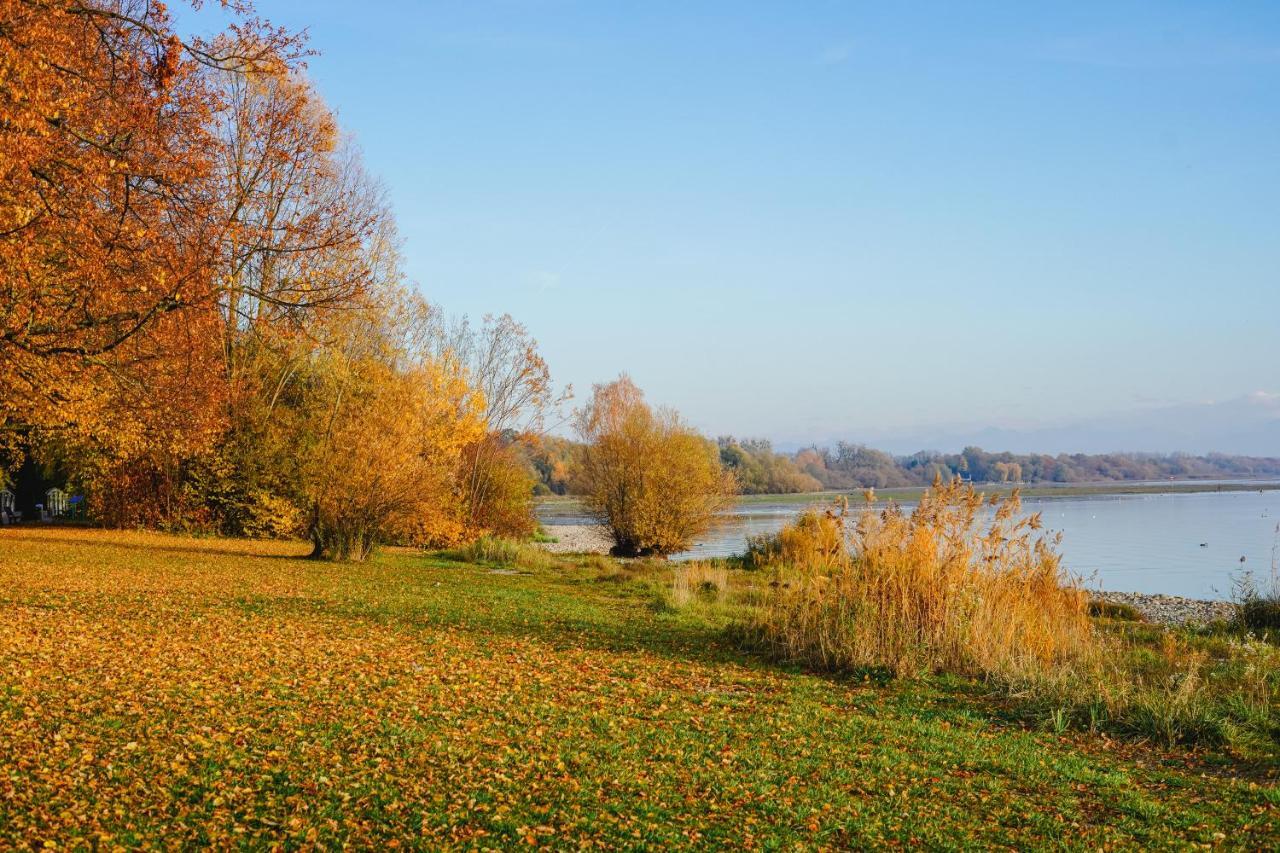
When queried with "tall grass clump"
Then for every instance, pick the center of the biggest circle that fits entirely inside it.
(816, 539)
(1188, 687)
(961, 584)
(696, 580)
(506, 553)
(1258, 603)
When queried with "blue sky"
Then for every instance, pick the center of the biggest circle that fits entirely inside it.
(818, 220)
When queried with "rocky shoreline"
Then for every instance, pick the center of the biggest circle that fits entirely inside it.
(578, 539)
(1170, 609)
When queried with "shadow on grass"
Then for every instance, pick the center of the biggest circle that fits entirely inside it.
(196, 545)
(618, 619)
(568, 607)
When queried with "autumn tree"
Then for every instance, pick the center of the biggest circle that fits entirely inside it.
(203, 315)
(310, 240)
(183, 214)
(758, 470)
(555, 461)
(302, 220)
(109, 223)
(653, 480)
(112, 222)
(385, 470)
(384, 427)
(510, 376)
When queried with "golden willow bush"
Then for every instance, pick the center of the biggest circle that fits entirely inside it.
(651, 478)
(386, 468)
(960, 584)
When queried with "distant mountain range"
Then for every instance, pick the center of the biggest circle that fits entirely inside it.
(1248, 426)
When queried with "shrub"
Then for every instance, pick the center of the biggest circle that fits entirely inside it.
(498, 489)
(950, 587)
(1260, 612)
(653, 480)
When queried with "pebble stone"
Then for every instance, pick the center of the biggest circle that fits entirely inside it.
(1171, 609)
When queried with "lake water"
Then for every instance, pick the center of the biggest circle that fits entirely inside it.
(1133, 543)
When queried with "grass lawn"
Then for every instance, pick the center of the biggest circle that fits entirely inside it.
(164, 690)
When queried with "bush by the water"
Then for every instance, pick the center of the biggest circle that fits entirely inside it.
(647, 475)
(1259, 604)
(949, 587)
(1260, 612)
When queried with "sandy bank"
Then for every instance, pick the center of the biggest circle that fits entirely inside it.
(578, 539)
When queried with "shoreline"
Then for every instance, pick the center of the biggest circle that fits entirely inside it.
(577, 539)
(560, 505)
(1156, 608)
(1161, 609)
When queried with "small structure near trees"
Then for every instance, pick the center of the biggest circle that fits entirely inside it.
(8, 507)
(55, 503)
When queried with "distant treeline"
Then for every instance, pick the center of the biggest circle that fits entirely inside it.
(854, 466)
(762, 470)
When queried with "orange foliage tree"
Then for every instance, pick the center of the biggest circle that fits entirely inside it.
(651, 478)
(173, 215)
(388, 425)
(202, 315)
(302, 218)
(109, 208)
(111, 221)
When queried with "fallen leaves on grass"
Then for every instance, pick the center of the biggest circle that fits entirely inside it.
(156, 690)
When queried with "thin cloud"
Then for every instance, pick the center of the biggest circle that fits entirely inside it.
(1157, 51)
(836, 54)
(544, 280)
(503, 42)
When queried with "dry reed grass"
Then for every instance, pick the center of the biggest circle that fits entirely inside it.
(969, 586)
(961, 584)
(506, 553)
(696, 579)
(816, 539)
